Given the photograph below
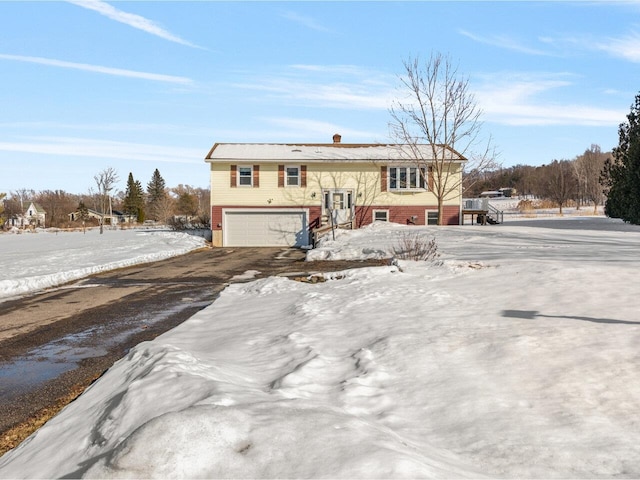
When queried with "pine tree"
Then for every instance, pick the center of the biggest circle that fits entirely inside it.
(156, 195)
(83, 211)
(623, 173)
(140, 197)
(133, 204)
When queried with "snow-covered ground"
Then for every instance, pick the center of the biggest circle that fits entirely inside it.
(47, 258)
(515, 354)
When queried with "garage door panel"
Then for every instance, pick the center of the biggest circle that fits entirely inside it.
(265, 228)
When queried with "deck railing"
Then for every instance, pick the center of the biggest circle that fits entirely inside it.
(482, 205)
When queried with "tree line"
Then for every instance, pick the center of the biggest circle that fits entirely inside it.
(577, 181)
(176, 206)
(595, 177)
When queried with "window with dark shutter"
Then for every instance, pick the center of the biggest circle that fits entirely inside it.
(245, 176)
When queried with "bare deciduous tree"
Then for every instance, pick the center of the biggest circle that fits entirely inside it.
(105, 180)
(164, 209)
(588, 168)
(439, 112)
(560, 182)
(57, 204)
(2, 219)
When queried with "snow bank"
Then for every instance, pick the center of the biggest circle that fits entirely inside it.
(36, 261)
(369, 243)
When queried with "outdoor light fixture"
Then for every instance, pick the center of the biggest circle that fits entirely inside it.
(313, 194)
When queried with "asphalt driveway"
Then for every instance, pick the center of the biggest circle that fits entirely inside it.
(53, 344)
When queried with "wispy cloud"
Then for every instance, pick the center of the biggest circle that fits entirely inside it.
(503, 41)
(131, 19)
(326, 86)
(99, 69)
(119, 127)
(310, 94)
(304, 21)
(626, 47)
(520, 99)
(97, 148)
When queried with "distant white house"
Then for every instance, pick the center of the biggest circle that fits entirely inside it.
(34, 215)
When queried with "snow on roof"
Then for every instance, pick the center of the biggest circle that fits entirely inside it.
(271, 152)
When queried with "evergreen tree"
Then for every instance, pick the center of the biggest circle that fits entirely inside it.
(622, 175)
(83, 211)
(187, 204)
(133, 204)
(156, 195)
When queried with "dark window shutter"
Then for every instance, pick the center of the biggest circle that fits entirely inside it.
(256, 176)
(234, 175)
(303, 175)
(430, 179)
(383, 179)
(281, 176)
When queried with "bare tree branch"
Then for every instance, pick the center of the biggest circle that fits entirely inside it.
(440, 112)
(105, 180)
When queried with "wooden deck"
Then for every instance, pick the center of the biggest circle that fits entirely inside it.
(481, 215)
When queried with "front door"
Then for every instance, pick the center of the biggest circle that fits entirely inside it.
(337, 204)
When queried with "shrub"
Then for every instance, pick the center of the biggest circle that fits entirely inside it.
(525, 205)
(416, 246)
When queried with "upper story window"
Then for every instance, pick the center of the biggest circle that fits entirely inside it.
(292, 176)
(407, 178)
(245, 176)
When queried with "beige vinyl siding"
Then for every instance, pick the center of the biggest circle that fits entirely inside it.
(362, 178)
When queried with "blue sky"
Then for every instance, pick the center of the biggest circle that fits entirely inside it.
(142, 85)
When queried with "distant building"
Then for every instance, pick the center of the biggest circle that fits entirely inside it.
(34, 215)
(114, 218)
(492, 194)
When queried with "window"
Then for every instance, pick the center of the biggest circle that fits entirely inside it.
(432, 217)
(292, 176)
(381, 215)
(245, 176)
(407, 178)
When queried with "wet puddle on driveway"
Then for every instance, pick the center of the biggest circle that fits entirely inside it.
(52, 359)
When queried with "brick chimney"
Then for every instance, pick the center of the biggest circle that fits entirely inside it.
(337, 138)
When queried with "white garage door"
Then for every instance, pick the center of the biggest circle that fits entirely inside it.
(265, 228)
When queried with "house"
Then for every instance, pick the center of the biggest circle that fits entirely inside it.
(276, 194)
(35, 215)
(114, 218)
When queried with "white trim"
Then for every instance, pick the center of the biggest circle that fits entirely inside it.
(426, 216)
(422, 177)
(238, 176)
(386, 212)
(286, 176)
